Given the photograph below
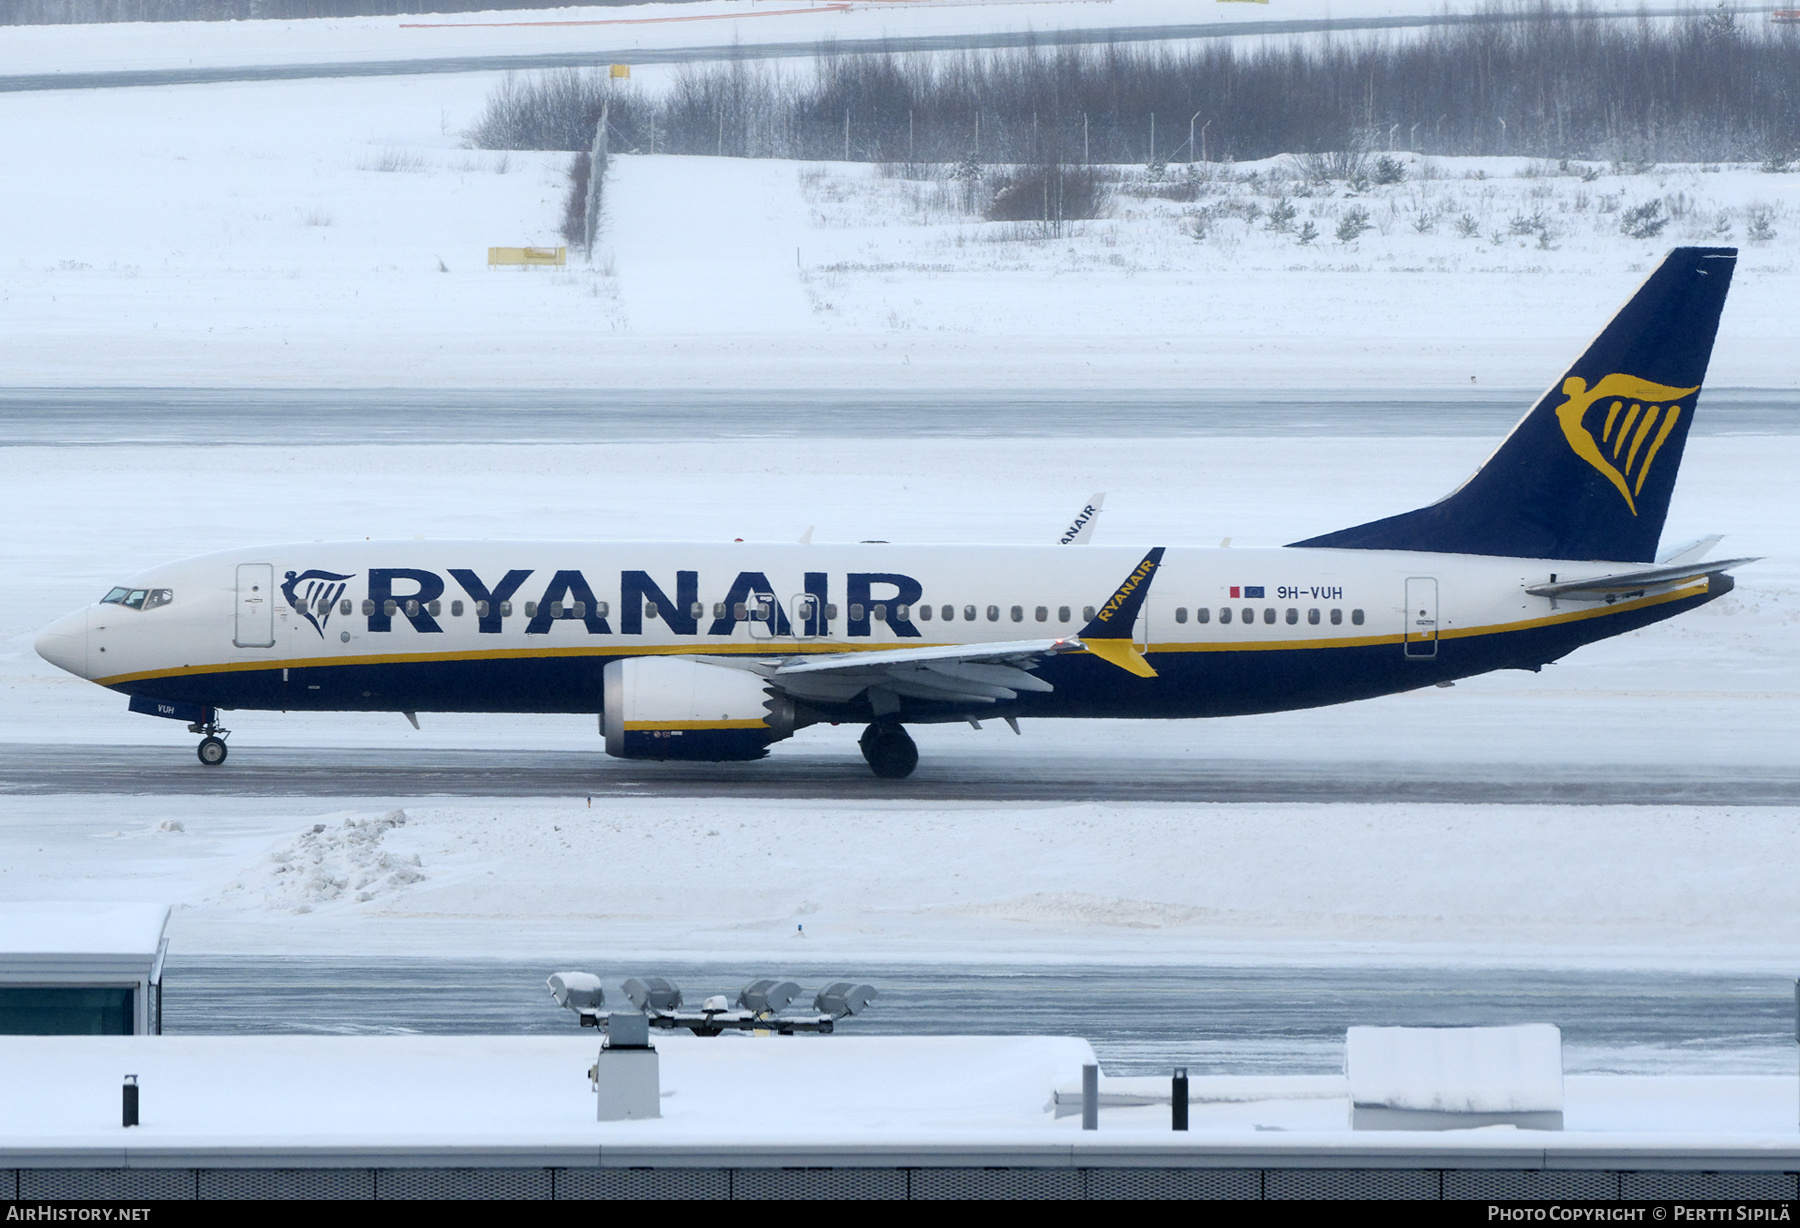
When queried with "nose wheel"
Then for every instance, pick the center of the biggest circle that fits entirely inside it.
(212, 746)
(889, 750)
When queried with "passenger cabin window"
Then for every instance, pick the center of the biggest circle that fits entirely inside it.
(1087, 613)
(390, 607)
(947, 613)
(506, 609)
(1042, 613)
(1202, 614)
(412, 607)
(368, 606)
(344, 606)
(925, 613)
(1180, 613)
(1225, 614)
(1018, 613)
(993, 613)
(718, 609)
(1337, 618)
(1062, 613)
(531, 609)
(1293, 616)
(880, 612)
(856, 611)
(481, 609)
(830, 612)
(1312, 617)
(581, 609)
(1269, 615)
(601, 609)
(436, 608)
(740, 611)
(650, 609)
(1356, 617)
(968, 613)
(1249, 615)
(696, 611)
(902, 612)
(556, 609)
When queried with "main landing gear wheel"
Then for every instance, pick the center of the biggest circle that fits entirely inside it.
(889, 750)
(212, 751)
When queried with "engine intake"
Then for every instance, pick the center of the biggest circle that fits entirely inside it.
(674, 708)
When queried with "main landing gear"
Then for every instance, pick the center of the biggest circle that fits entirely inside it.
(212, 746)
(890, 750)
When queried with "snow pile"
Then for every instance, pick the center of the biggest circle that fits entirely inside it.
(1457, 1070)
(326, 864)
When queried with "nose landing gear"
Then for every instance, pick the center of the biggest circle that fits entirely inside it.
(890, 750)
(212, 746)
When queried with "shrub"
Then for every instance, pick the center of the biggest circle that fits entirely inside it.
(1389, 171)
(1281, 215)
(574, 226)
(1467, 227)
(1761, 227)
(1050, 193)
(1352, 224)
(1307, 234)
(1644, 221)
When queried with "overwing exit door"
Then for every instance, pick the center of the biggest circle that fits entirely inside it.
(255, 605)
(1421, 617)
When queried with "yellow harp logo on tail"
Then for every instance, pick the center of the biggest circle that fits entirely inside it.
(1638, 421)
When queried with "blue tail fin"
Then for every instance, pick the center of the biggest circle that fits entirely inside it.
(1587, 474)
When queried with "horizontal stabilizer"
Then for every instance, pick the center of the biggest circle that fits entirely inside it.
(1604, 588)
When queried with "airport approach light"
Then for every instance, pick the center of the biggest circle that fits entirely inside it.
(761, 1006)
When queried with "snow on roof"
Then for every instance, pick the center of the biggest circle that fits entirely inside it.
(50, 928)
(1514, 1069)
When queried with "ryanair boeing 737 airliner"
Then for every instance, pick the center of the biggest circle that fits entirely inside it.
(716, 651)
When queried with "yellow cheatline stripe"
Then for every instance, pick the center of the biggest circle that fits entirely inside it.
(649, 726)
(810, 647)
(616, 648)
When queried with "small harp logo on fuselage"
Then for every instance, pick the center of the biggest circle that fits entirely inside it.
(1637, 422)
(312, 594)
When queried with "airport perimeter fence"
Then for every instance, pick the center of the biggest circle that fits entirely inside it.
(1113, 1182)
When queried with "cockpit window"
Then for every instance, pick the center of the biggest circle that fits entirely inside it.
(138, 598)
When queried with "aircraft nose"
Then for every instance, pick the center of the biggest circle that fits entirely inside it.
(64, 643)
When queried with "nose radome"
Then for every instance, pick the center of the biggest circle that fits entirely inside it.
(64, 643)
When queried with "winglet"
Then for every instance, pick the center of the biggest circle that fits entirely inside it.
(1082, 528)
(1108, 636)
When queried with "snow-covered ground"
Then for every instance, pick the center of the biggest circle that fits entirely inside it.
(332, 233)
(636, 879)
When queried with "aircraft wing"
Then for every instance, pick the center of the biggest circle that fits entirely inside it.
(963, 673)
(1610, 587)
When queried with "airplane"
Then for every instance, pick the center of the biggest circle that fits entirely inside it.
(717, 651)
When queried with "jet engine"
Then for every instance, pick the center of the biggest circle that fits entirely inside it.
(674, 708)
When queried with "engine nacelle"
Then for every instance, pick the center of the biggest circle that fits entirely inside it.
(673, 708)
